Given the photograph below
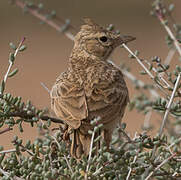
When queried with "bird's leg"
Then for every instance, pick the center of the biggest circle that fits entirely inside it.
(107, 134)
(76, 145)
(66, 133)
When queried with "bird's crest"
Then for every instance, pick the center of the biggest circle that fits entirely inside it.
(90, 25)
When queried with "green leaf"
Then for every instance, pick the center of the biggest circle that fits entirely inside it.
(143, 72)
(11, 74)
(12, 45)
(20, 127)
(171, 7)
(22, 48)
(2, 87)
(136, 52)
(11, 58)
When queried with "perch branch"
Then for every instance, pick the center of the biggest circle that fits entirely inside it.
(27, 116)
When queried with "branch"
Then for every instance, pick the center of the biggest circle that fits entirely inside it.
(6, 130)
(146, 69)
(24, 115)
(8, 151)
(169, 105)
(167, 112)
(90, 154)
(34, 11)
(65, 157)
(159, 166)
(11, 62)
(139, 61)
(160, 15)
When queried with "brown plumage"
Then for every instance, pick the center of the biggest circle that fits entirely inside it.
(91, 87)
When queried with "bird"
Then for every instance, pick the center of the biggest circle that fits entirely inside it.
(91, 87)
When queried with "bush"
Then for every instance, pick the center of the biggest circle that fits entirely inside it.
(142, 157)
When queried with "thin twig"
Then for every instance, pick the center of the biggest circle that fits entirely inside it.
(145, 68)
(125, 135)
(45, 87)
(97, 171)
(159, 166)
(140, 83)
(11, 63)
(146, 124)
(43, 18)
(159, 75)
(130, 169)
(6, 130)
(160, 15)
(169, 56)
(8, 151)
(4, 173)
(23, 114)
(134, 160)
(68, 164)
(90, 154)
(139, 61)
(169, 105)
(9, 68)
(167, 112)
(171, 145)
(172, 37)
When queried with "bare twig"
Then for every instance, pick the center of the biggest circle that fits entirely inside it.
(159, 166)
(146, 69)
(169, 56)
(139, 61)
(140, 83)
(45, 87)
(11, 62)
(159, 75)
(27, 116)
(134, 160)
(8, 151)
(90, 154)
(177, 141)
(160, 15)
(34, 11)
(172, 37)
(5, 173)
(169, 105)
(68, 164)
(6, 130)
(146, 124)
(167, 112)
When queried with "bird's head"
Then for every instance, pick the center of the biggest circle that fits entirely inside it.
(98, 41)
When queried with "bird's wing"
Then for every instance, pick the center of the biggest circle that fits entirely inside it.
(68, 100)
(109, 95)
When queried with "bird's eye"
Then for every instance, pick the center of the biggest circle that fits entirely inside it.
(103, 38)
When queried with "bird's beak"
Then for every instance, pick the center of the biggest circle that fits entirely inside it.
(123, 39)
(126, 39)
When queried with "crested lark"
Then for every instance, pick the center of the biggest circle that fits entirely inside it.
(91, 87)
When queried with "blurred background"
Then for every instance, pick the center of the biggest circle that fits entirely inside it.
(48, 51)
